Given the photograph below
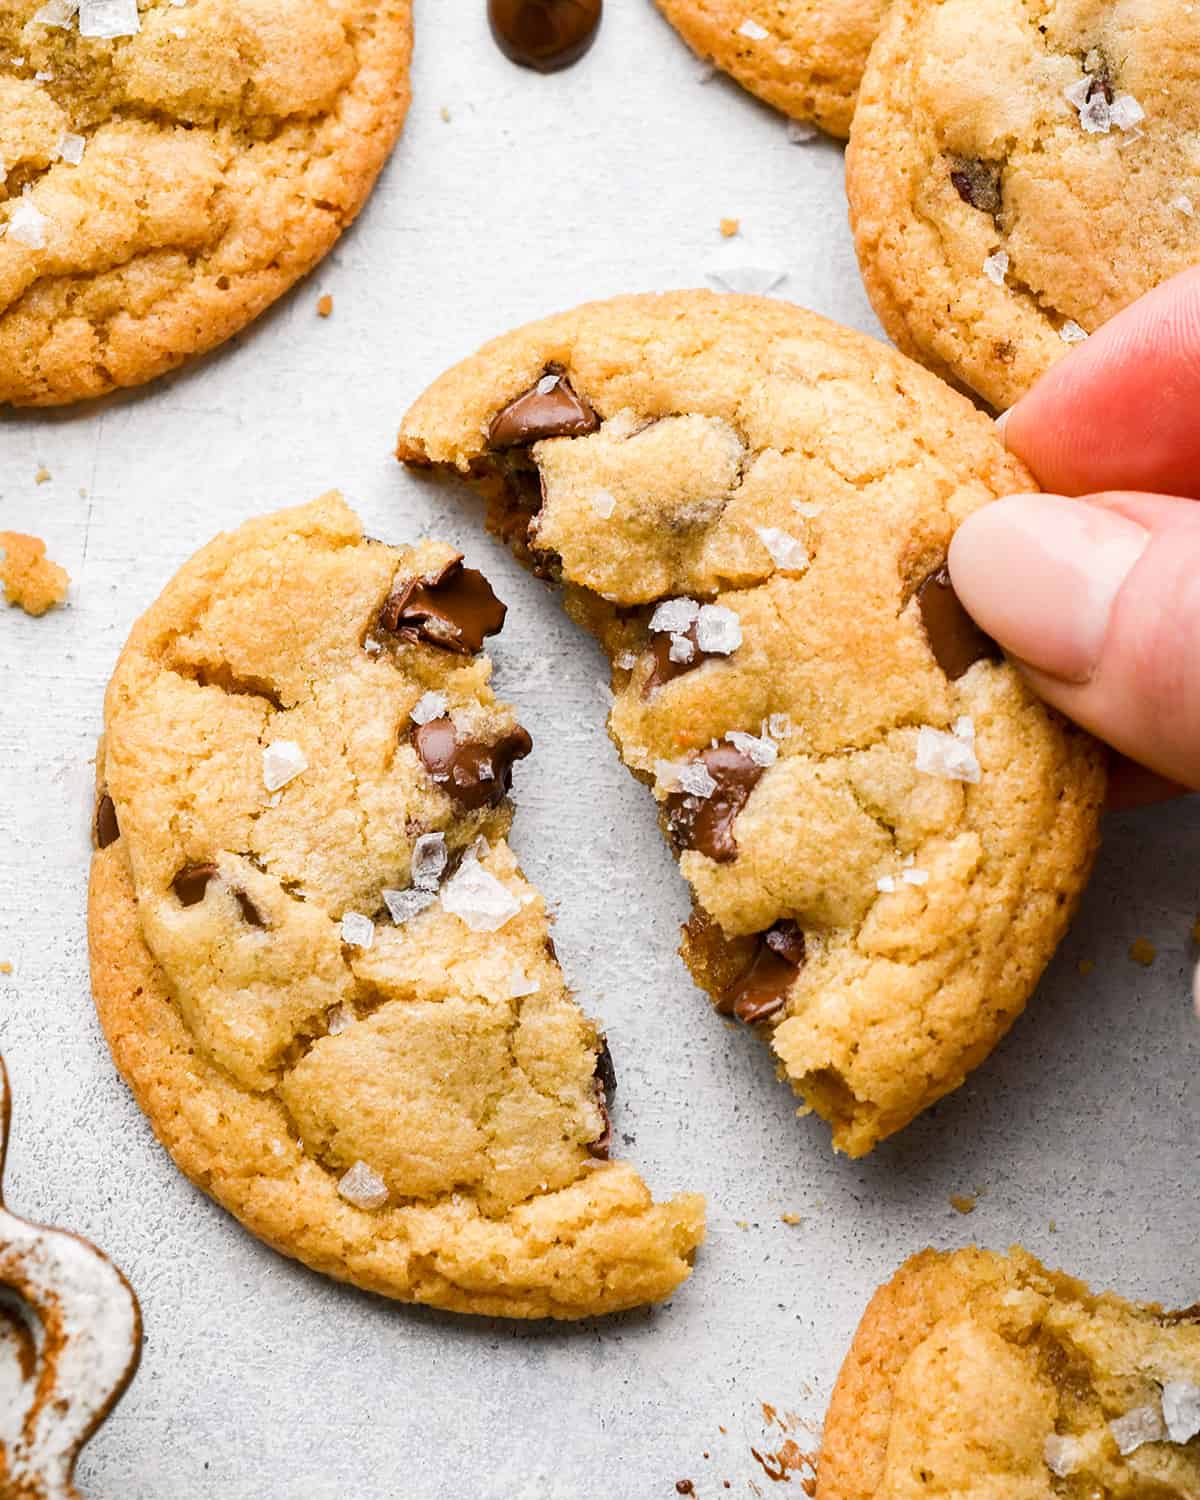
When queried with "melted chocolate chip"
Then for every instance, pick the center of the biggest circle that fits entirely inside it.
(762, 989)
(605, 1085)
(978, 183)
(474, 773)
(107, 830)
(706, 823)
(544, 34)
(954, 638)
(455, 610)
(538, 414)
(665, 669)
(191, 884)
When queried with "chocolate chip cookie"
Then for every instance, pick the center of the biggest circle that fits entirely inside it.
(173, 168)
(976, 1374)
(1018, 173)
(317, 962)
(805, 57)
(884, 831)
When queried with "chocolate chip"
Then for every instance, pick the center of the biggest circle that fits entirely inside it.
(978, 183)
(555, 411)
(474, 773)
(954, 638)
(544, 34)
(455, 609)
(605, 1085)
(665, 669)
(706, 823)
(762, 989)
(107, 830)
(191, 884)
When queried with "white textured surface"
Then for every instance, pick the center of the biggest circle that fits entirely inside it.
(260, 1379)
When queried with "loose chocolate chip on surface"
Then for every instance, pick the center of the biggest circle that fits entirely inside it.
(454, 610)
(706, 823)
(978, 183)
(192, 882)
(107, 830)
(544, 34)
(954, 638)
(474, 773)
(544, 411)
(762, 989)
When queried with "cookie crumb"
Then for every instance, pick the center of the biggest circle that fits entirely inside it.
(684, 1487)
(962, 1203)
(42, 476)
(790, 1219)
(5, 967)
(730, 227)
(1085, 966)
(324, 306)
(1143, 952)
(31, 581)
(1053, 1226)
(445, 113)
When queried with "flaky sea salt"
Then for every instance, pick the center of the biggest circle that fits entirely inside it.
(787, 552)
(627, 661)
(675, 616)
(779, 726)
(403, 906)
(338, 1018)
(56, 13)
(1126, 113)
(995, 267)
(753, 30)
(799, 132)
(108, 18)
(1063, 1455)
(964, 728)
(547, 384)
(761, 751)
(603, 503)
(807, 508)
(1144, 1424)
(747, 281)
(429, 706)
(681, 649)
(363, 1187)
(1071, 333)
(429, 859)
(718, 630)
(282, 761)
(520, 985)
(478, 899)
(886, 884)
(950, 756)
(915, 877)
(28, 224)
(1182, 204)
(1181, 1410)
(70, 148)
(693, 777)
(357, 931)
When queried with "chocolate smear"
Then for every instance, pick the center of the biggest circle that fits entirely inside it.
(954, 638)
(454, 609)
(107, 830)
(762, 989)
(473, 772)
(548, 409)
(544, 34)
(605, 1085)
(706, 823)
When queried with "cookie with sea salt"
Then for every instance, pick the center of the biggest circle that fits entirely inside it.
(172, 168)
(805, 57)
(884, 831)
(1018, 173)
(975, 1374)
(316, 960)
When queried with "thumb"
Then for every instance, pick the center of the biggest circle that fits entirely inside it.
(1099, 601)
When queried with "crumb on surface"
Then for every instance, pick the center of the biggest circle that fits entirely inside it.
(1085, 966)
(445, 113)
(1053, 1226)
(963, 1203)
(5, 967)
(791, 1219)
(1143, 952)
(730, 227)
(30, 579)
(324, 305)
(42, 475)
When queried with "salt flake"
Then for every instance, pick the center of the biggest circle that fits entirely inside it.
(681, 649)
(799, 132)
(915, 877)
(108, 18)
(70, 148)
(1071, 333)
(520, 985)
(363, 1187)
(807, 508)
(1126, 113)
(56, 13)
(1181, 1410)
(282, 761)
(753, 30)
(429, 859)
(718, 630)
(1144, 1424)
(429, 706)
(761, 751)
(787, 552)
(403, 906)
(950, 756)
(338, 1018)
(603, 503)
(1182, 204)
(886, 884)
(478, 899)
(675, 616)
(547, 384)
(28, 224)
(357, 931)
(1063, 1455)
(749, 281)
(779, 726)
(995, 267)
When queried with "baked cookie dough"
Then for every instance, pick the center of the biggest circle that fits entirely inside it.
(317, 963)
(805, 57)
(1019, 172)
(977, 1375)
(172, 168)
(885, 833)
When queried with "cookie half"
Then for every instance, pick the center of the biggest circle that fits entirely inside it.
(317, 963)
(171, 171)
(804, 57)
(977, 1374)
(1018, 173)
(884, 831)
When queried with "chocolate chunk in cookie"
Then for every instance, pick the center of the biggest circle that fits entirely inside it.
(606, 1089)
(705, 822)
(475, 773)
(761, 992)
(550, 409)
(954, 638)
(978, 183)
(106, 829)
(454, 609)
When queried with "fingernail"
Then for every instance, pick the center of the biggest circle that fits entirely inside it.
(1001, 423)
(1041, 574)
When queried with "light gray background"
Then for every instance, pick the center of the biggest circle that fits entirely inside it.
(260, 1379)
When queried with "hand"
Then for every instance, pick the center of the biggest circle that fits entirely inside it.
(1094, 589)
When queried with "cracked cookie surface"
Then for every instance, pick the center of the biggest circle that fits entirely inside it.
(1019, 172)
(159, 189)
(314, 955)
(885, 833)
(805, 57)
(978, 1375)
